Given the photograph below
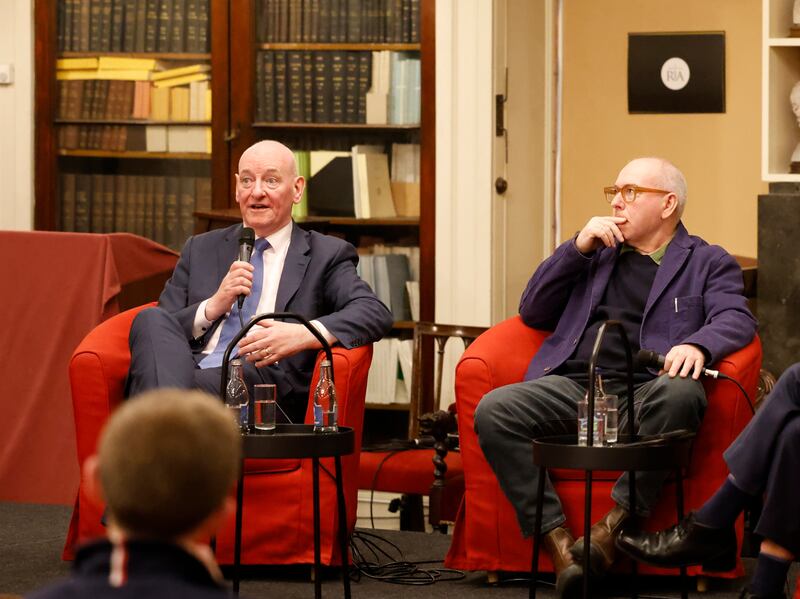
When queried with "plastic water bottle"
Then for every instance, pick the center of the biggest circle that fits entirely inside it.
(598, 432)
(325, 401)
(237, 398)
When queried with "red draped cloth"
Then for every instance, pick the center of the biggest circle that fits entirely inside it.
(56, 287)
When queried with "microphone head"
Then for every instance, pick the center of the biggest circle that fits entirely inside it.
(248, 236)
(246, 241)
(646, 357)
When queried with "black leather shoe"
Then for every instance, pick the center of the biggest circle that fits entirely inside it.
(685, 544)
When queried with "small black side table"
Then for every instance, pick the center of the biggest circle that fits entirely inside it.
(631, 454)
(299, 441)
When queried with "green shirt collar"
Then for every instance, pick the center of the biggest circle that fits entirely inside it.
(656, 256)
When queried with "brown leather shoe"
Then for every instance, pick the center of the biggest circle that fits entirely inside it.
(603, 533)
(569, 573)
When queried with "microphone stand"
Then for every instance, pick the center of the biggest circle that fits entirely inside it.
(590, 432)
(255, 320)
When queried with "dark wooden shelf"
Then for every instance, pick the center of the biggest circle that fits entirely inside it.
(344, 126)
(395, 407)
(412, 47)
(161, 55)
(126, 154)
(128, 122)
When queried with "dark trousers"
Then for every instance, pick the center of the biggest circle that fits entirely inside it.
(765, 459)
(508, 418)
(162, 357)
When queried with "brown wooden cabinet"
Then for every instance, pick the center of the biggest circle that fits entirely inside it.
(242, 36)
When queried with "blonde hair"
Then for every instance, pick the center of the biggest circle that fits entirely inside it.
(167, 459)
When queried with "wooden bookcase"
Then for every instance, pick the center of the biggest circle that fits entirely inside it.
(233, 50)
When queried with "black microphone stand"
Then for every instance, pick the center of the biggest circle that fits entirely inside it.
(255, 320)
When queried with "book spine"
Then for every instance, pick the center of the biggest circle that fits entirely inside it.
(140, 33)
(294, 66)
(191, 25)
(364, 75)
(129, 25)
(269, 86)
(171, 231)
(337, 85)
(178, 37)
(83, 203)
(68, 201)
(108, 203)
(117, 14)
(132, 191)
(96, 220)
(186, 208)
(120, 199)
(164, 25)
(322, 88)
(95, 25)
(202, 26)
(151, 26)
(308, 87)
(351, 87)
(281, 112)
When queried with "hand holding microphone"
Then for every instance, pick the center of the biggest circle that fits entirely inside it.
(653, 359)
(236, 283)
(246, 241)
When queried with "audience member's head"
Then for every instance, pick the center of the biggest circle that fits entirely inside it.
(166, 463)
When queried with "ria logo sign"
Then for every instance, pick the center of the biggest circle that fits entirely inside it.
(675, 73)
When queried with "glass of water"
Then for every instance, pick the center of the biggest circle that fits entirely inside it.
(264, 407)
(612, 420)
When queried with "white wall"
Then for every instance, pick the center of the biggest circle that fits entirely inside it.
(464, 190)
(16, 116)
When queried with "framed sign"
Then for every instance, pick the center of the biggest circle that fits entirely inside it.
(676, 72)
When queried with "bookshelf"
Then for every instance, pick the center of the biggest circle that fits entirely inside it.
(125, 125)
(240, 41)
(780, 133)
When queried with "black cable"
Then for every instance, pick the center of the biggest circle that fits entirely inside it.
(374, 481)
(368, 552)
(725, 377)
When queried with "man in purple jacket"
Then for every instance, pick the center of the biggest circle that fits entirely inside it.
(672, 292)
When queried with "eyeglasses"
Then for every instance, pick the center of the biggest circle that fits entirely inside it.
(247, 182)
(629, 192)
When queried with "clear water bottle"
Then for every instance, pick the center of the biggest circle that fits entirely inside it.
(237, 398)
(598, 432)
(325, 401)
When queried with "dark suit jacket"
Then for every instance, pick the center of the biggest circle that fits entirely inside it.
(319, 281)
(696, 298)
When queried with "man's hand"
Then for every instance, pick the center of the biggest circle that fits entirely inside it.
(238, 281)
(600, 230)
(684, 359)
(273, 340)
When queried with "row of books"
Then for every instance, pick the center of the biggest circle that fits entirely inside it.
(160, 208)
(389, 380)
(312, 87)
(136, 138)
(338, 87)
(338, 21)
(360, 183)
(132, 100)
(388, 270)
(133, 26)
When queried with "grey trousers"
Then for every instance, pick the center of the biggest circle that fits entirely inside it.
(508, 418)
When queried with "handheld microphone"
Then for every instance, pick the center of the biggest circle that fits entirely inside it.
(647, 357)
(246, 241)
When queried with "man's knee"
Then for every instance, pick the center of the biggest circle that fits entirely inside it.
(486, 412)
(684, 397)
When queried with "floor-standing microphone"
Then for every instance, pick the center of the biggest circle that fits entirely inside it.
(246, 241)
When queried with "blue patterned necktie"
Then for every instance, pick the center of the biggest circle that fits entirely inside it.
(231, 325)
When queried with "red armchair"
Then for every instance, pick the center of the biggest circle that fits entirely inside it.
(278, 519)
(487, 536)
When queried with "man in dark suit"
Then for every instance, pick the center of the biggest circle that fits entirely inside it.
(166, 465)
(764, 460)
(180, 343)
(672, 292)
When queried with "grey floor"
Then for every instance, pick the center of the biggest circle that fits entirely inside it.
(32, 536)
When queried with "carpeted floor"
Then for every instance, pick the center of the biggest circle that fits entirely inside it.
(32, 536)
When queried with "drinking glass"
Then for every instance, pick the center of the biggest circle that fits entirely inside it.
(612, 420)
(264, 407)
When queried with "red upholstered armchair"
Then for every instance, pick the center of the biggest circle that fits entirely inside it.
(278, 519)
(487, 536)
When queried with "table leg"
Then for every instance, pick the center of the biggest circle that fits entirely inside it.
(632, 506)
(587, 529)
(537, 533)
(237, 543)
(317, 565)
(679, 501)
(342, 528)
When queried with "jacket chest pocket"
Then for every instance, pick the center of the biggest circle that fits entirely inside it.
(686, 318)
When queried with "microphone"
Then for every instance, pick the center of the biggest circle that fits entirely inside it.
(246, 241)
(647, 357)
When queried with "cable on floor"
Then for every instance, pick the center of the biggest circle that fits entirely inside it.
(380, 559)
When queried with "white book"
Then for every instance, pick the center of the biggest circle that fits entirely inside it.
(355, 151)
(155, 137)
